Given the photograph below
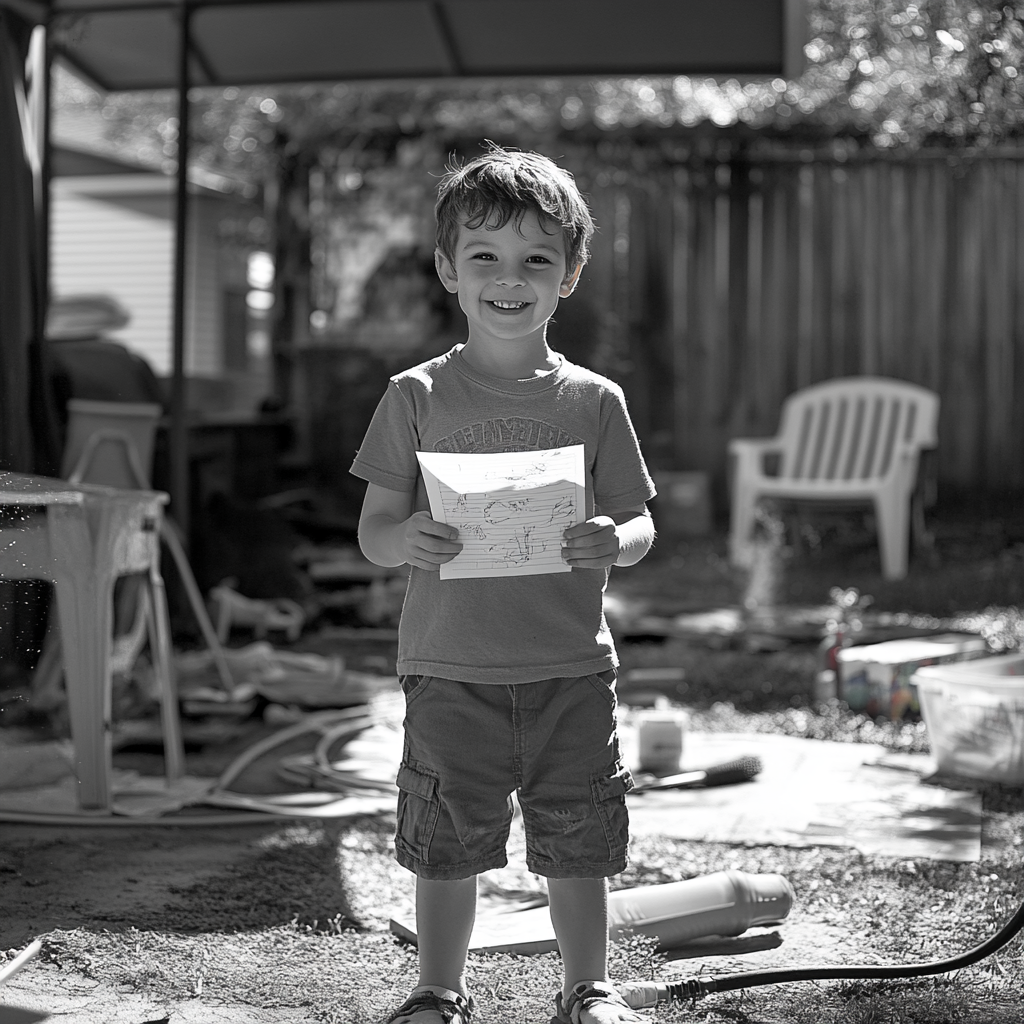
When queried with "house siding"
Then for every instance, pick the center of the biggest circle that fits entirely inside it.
(121, 242)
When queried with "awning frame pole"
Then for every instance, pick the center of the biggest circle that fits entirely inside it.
(179, 458)
(44, 210)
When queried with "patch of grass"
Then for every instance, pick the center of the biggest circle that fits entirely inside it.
(757, 682)
(927, 1001)
(357, 977)
(345, 978)
(888, 911)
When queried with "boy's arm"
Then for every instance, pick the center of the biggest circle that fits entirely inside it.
(616, 538)
(390, 533)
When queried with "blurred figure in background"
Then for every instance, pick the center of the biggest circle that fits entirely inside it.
(86, 363)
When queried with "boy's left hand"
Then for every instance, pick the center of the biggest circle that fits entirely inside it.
(591, 545)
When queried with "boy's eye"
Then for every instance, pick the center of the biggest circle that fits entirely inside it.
(538, 259)
(483, 256)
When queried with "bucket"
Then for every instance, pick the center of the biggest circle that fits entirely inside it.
(660, 740)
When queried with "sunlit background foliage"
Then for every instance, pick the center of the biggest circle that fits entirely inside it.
(884, 74)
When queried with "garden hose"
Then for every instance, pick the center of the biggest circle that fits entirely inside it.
(244, 808)
(19, 961)
(651, 993)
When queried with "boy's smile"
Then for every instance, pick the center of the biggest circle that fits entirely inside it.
(508, 280)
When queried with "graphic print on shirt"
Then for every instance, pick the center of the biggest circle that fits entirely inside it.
(505, 434)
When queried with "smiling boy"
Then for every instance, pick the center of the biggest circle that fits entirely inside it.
(509, 680)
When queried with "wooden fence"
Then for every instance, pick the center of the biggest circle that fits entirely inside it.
(721, 284)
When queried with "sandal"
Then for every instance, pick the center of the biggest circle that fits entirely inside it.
(454, 1008)
(601, 999)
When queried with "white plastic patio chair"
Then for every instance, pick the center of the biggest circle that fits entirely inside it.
(851, 439)
(111, 443)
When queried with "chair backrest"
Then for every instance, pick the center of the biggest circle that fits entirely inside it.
(110, 443)
(853, 428)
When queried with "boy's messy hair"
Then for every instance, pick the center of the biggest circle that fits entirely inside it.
(502, 185)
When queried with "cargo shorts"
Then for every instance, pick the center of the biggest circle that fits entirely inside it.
(469, 746)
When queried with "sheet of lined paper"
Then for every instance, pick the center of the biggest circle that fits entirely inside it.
(510, 508)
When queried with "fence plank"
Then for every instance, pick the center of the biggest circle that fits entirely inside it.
(680, 270)
(998, 290)
(746, 275)
(805, 276)
(967, 350)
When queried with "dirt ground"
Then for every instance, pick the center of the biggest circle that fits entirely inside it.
(106, 878)
(221, 878)
(216, 880)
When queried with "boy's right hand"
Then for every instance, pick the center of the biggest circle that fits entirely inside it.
(428, 543)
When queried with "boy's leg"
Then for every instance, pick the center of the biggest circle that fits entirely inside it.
(445, 913)
(579, 914)
(454, 810)
(574, 809)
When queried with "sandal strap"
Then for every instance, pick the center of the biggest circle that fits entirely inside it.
(586, 993)
(453, 1007)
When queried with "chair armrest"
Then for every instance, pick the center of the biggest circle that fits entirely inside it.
(748, 455)
(925, 463)
(756, 444)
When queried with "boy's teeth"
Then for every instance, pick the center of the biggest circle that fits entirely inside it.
(508, 305)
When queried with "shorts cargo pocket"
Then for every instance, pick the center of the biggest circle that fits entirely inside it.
(609, 792)
(604, 684)
(413, 686)
(418, 806)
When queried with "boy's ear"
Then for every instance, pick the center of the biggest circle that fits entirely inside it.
(565, 289)
(446, 272)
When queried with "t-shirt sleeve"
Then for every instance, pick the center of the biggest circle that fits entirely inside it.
(621, 478)
(387, 456)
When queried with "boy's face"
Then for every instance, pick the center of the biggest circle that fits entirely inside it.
(508, 279)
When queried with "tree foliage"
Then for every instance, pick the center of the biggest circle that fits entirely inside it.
(889, 73)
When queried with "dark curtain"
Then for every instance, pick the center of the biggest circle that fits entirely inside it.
(27, 422)
(18, 278)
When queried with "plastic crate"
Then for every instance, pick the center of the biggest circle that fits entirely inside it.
(877, 678)
(974, 714)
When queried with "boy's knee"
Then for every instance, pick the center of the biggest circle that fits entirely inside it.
(583, 839)
(563, 823)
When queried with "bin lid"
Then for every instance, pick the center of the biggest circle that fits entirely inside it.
(999, 670)
(920, 648)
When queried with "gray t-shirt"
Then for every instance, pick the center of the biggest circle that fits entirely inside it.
(512, 629)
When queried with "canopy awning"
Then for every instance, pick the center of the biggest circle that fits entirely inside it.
(131, 44)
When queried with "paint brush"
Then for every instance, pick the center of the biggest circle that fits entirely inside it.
(742, 769)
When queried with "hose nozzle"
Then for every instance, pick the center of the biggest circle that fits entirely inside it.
(643, 994)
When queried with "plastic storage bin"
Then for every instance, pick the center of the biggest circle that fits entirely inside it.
(974, 714)
(877, 678)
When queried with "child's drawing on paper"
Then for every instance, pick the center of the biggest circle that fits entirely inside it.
(499, 511)
(510, 508)
(564, 508)
(520, 548)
